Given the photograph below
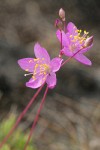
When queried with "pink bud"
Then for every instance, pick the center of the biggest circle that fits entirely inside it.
(59, 24)
(88, 41)
(62, 14)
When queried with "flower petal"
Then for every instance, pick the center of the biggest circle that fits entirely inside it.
(27, 64)
(72, 28)
(86, 49)
(66, 51)
(65, 40)
(83, 59)
(51, 80)
(55, 64)
(40, 52)
(35, 83)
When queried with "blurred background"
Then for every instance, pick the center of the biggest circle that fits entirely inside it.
(70, 119)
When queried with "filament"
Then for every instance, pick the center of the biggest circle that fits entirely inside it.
(27, 74)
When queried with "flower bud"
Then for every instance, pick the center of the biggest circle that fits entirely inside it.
(59, 24)
(61, 53)
(88, 41)
(62, 14)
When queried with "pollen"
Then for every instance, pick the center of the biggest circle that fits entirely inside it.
(26, 69)
(86, 32)
(44, 73)
(79, 31)
(70, 36)
(34, 77)
(30, 61)
(36, 59)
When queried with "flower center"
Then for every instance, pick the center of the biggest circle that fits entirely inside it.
(41, 68)
(77, 41)
(44, 69)
(72, 47)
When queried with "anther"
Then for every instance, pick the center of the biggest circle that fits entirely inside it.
(27, 74)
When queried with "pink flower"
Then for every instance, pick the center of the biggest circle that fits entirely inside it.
(73, 41)
(42, 68)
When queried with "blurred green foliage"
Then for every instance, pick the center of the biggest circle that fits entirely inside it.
(17, 140)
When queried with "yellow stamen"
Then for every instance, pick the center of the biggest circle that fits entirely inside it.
(36, 59)
(70, 36)
(86, 32)
(26, 69)
(34, 77)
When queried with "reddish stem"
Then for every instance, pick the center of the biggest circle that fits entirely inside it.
(70, 58)
(36, 118)
(21, 116)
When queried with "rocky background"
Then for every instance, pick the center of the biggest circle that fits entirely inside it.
(70, 119)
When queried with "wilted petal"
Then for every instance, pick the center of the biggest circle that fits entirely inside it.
(72, 28)
(66, 51)
(83, 59)
(40, 52)
(27, 64)
(65, 40)
(51, 80)
(35, 83)
(55, 64)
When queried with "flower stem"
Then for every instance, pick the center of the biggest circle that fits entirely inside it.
(70, 58)
(21, 116)
(36, 118)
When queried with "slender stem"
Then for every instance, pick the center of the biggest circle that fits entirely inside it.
(36, 118)
(21, 116)
(70, 58)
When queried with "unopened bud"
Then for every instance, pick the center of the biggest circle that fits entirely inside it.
(61, 53)
(62, 14)
(59, 24)
(88, 41)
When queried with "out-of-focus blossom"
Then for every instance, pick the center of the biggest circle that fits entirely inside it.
(42, 68)
(58, 24)
(73, 41)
